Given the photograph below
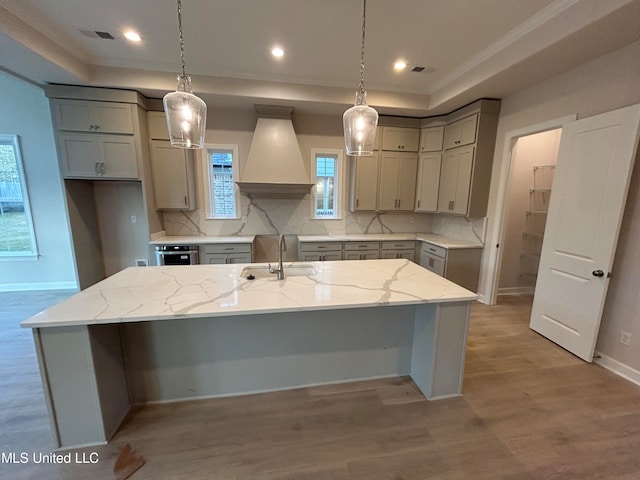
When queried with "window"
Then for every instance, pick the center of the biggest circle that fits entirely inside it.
(328, 166)
(221, 168)
(16, 228)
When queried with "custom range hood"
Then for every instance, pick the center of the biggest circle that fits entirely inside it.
(275, 167)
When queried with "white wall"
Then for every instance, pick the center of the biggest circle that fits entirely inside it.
(24, 110)
(607, 83)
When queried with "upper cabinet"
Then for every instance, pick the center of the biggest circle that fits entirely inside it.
(400, 139)
(397, 183)
(172, 168)
(431, 139)
(364, 182)
(461, 132)
(98, 117)
(86, 155)
(96, 139)
(455, 180)
(428, 182)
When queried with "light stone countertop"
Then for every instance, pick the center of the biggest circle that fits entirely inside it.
(196, 291)
(439, 240)
(200, 240)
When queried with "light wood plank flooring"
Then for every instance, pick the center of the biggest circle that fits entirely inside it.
(530, 411)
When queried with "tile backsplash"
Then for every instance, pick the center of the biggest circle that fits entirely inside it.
(266, 216)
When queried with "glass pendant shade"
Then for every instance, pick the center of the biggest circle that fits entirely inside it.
(186, 116)
(360, 122)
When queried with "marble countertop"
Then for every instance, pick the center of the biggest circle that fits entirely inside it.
(172, 292)
(439, 240)
(199, 240)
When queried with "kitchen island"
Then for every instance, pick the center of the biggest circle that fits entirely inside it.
(174, 333)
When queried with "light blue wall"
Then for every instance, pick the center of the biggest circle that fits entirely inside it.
(24, 111)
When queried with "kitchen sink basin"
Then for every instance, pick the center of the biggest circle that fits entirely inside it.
(291, 271)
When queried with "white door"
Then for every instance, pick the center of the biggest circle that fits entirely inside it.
(590, 187)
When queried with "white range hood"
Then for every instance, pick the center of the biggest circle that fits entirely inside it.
(275, 167)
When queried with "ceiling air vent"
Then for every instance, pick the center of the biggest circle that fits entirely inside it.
(97, 34)
(423, 69)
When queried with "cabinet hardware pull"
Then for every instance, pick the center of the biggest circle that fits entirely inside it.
(418, 203)
(228, 248)
(450, 204)
(431, 262)
(357, 202)
(97, 169)
(185, 201)
(398, 203)
(321, 246)
(102, 171)
(597, 273)
(96, 127)
(432, 249)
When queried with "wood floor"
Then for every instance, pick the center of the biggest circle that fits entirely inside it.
(529, 411)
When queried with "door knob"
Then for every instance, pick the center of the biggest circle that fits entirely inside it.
(597, 273)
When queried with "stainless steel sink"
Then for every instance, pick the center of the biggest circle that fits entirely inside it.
(302, 270)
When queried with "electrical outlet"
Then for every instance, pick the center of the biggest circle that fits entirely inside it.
(133, 219)
(141, 262)
(625, 338)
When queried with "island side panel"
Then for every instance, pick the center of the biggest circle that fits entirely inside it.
(191, 358)
(65, 356)
(439, 347)
(110, 375)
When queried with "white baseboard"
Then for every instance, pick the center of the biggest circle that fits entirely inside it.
(515, 291)
(22, 287)
(619, 368)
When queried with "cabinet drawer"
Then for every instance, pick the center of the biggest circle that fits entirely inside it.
(434, 249)
(226, 248)
(352, 246)
(320, 246)
(400, 245)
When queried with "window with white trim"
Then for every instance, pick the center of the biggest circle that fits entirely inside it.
(328, 178)
(16, 226)
(221, 190)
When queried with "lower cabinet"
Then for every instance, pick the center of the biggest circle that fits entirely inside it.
(226, 253)
(402, 249)
(320, 251)
(361, 250)
(460, 265)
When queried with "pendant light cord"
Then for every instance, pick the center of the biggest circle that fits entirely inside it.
(184, 71)
(364, 19)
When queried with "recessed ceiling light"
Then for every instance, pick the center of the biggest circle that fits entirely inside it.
(400, 65)
(132, 36)
(277, 52)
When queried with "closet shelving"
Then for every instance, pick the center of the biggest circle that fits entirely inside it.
(536, 219)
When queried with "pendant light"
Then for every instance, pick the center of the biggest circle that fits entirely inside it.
(186, 114)
(360, 121)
